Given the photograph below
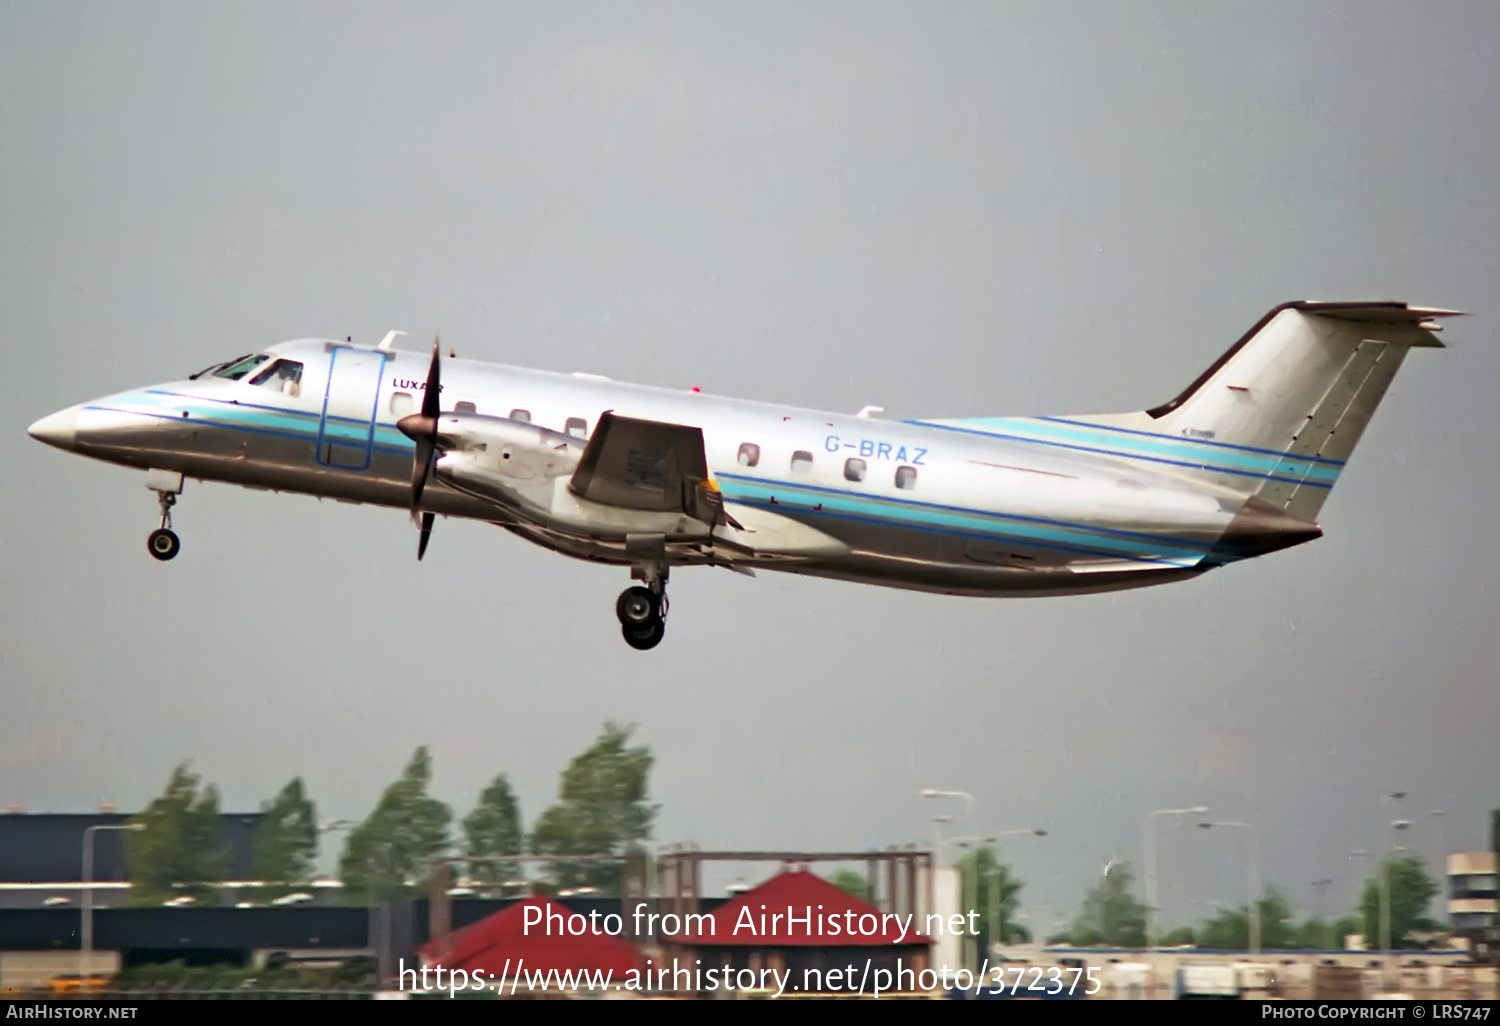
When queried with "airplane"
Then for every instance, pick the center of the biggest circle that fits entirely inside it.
(1236, 466)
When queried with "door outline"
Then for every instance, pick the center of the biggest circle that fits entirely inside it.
(326, 445)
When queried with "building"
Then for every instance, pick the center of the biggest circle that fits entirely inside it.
(41, 856)
(798, 923)
(1474, 898)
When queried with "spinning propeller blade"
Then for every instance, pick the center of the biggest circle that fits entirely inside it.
(421, 428)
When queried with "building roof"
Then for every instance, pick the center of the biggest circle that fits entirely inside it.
(507, 943)
(825, 916)
(48, 847)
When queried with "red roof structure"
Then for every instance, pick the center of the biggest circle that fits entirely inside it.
(497, 944)
(798, 908)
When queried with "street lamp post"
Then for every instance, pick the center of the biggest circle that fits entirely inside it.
(1253, 878)
(86, 934)
(1150, 853)
(994, 902)
(971, 879)
(968, 798)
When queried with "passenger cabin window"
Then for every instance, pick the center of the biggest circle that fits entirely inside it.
(239, 368)
(402, 404)
(577, 427)
(854, 469)
(465, 408)
(749, 454)
(285, 376)
(906, 478)
(524, 416)
(801, 462)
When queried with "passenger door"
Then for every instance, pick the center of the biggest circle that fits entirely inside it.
(347, 428)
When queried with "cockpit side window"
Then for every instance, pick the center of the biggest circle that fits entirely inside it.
(239, 368)
(285, 376)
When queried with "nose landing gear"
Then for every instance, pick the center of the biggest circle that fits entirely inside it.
(163, 542)
(643, 611)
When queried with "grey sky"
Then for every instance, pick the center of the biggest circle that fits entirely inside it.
(948, 210)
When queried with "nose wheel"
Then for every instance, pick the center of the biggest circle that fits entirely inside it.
(643, 614)
(163, 542)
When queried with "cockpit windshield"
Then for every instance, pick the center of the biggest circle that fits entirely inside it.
(285, 376)
(242, 366)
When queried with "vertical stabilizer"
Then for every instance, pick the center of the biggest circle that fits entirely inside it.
(1278, 415)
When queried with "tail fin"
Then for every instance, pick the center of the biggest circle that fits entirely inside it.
(1279, 413)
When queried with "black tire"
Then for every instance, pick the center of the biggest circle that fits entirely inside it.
(163, 544)
(637, 608)
(643, 638)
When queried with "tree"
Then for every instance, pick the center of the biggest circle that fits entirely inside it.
(601, 809)
(1410, 891)
(1180, 937)
(1316, 935)
(996, 892)
(175, 854)
(286, 842)
(494, 828)
(393, 849)
(849, 881)
(1230, 930)
(1111, 915)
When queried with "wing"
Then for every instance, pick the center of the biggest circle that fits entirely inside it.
(648, 465)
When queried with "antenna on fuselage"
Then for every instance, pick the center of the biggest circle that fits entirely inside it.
(864, 414)
(387, 343)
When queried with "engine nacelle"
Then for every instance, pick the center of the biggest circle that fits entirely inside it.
(509, 448)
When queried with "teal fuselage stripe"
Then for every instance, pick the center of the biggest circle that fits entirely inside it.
(268, 420)
(972, 523)
(1158, 436)
(1287, 468)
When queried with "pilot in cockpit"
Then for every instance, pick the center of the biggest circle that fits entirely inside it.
(285, 376)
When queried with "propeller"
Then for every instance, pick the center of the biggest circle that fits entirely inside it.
(421, 428)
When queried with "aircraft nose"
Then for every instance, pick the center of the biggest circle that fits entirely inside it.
(59, 429)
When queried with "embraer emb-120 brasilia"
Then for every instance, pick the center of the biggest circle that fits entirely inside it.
(1236, 466)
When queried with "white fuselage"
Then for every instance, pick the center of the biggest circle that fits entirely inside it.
(1002, 509)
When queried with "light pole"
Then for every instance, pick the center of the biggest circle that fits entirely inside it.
(994, 894)
(968, 798)
(1150, 853)
(86, 934)
(937, 836)
(1253, 878)
(1320, 887)
(1361, 853)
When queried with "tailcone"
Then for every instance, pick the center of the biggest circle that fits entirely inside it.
(1260, 528)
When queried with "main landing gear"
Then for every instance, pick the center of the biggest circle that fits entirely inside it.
(162, 542)
(643, 611)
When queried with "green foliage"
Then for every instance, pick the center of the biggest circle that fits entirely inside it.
(1180, 937)
(392, 850)
(175, 855)
(286, 842)
(1230, 930)
(492, 829)
(1111, 916)
(351, 974)
(1316, 935)
(601, 809)
(851, 882)
(1410, 891)
(995, 891)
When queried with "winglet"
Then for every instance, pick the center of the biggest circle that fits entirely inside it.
(389, 341)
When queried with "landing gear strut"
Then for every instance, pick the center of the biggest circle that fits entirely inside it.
(162, 542)
(643, 611)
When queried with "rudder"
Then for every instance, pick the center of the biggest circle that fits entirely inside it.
(1292, 397)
